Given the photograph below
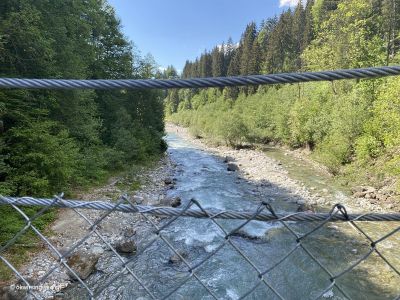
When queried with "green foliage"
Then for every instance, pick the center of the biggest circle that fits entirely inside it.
(15, 222)
(353, 123)
(367, 147)
(381, 136)
(334, 151)
(53, 141)
(353, 23)
(43, 156)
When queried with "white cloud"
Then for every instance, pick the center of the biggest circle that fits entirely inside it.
(290, 2)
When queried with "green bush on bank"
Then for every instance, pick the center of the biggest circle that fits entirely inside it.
(345, 123)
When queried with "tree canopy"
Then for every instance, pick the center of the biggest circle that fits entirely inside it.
(348, 124)
(52, 140)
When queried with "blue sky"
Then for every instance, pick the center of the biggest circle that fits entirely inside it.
(176, 30)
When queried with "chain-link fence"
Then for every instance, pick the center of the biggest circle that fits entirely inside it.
(308, 233)
(301, 256)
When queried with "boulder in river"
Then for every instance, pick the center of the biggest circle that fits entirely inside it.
(174, 259)
(232, 167)
(83, 263)
(305, 207)
(246, 235)
(176, 201)
(168, 181)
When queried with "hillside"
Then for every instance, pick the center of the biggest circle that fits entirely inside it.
(353, 126)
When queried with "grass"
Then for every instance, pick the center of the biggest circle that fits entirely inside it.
(11, 224)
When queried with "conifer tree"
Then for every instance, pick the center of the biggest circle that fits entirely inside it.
(230, 48)
(233, 70)
(246, 49)
(217, 61)
(308, 33)
(297, 34)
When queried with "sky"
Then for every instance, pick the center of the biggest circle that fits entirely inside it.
(176, 30)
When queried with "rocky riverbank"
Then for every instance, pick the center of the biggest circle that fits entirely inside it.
(116, 229)
(267, 172)
(126, 232)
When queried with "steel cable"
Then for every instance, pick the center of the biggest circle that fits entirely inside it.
(280, 78)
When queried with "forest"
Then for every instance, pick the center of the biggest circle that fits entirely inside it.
(352, 126)
(54, 141)
(51, 141)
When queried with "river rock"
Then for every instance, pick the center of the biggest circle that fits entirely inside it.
(370, 195)
(357, 189)
(382, 197)
(138, 199)
(129, 232)
(304, 207)
(171, 201)
(126, 246)
(168, 181)
(228, 159)
(232, 167)
(176, 201)
(364, 191)
(359, 194)
(83, 263)
(391, 206)
(97, 250)
(301, 202)
(175, 257)
(369, 189)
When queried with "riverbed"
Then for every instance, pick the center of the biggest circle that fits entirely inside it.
(232, 270)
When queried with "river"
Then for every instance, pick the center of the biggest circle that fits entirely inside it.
(227, 274)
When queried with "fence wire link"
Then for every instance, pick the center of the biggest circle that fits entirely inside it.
(311, 223)
(338, 213)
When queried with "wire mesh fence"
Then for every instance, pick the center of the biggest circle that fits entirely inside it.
(137, 265)
(304, 255)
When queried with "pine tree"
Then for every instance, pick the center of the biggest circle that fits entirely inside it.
(264, 39)
(205, 65)
(322, 9)
(233, 70)
(41, 39)
(246, 49)
(308, 33)
(280, 45)
(230, 48)
(217, 61)
(391, 24)
(297, 33)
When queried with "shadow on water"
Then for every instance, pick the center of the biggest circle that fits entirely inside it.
(229, 273)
